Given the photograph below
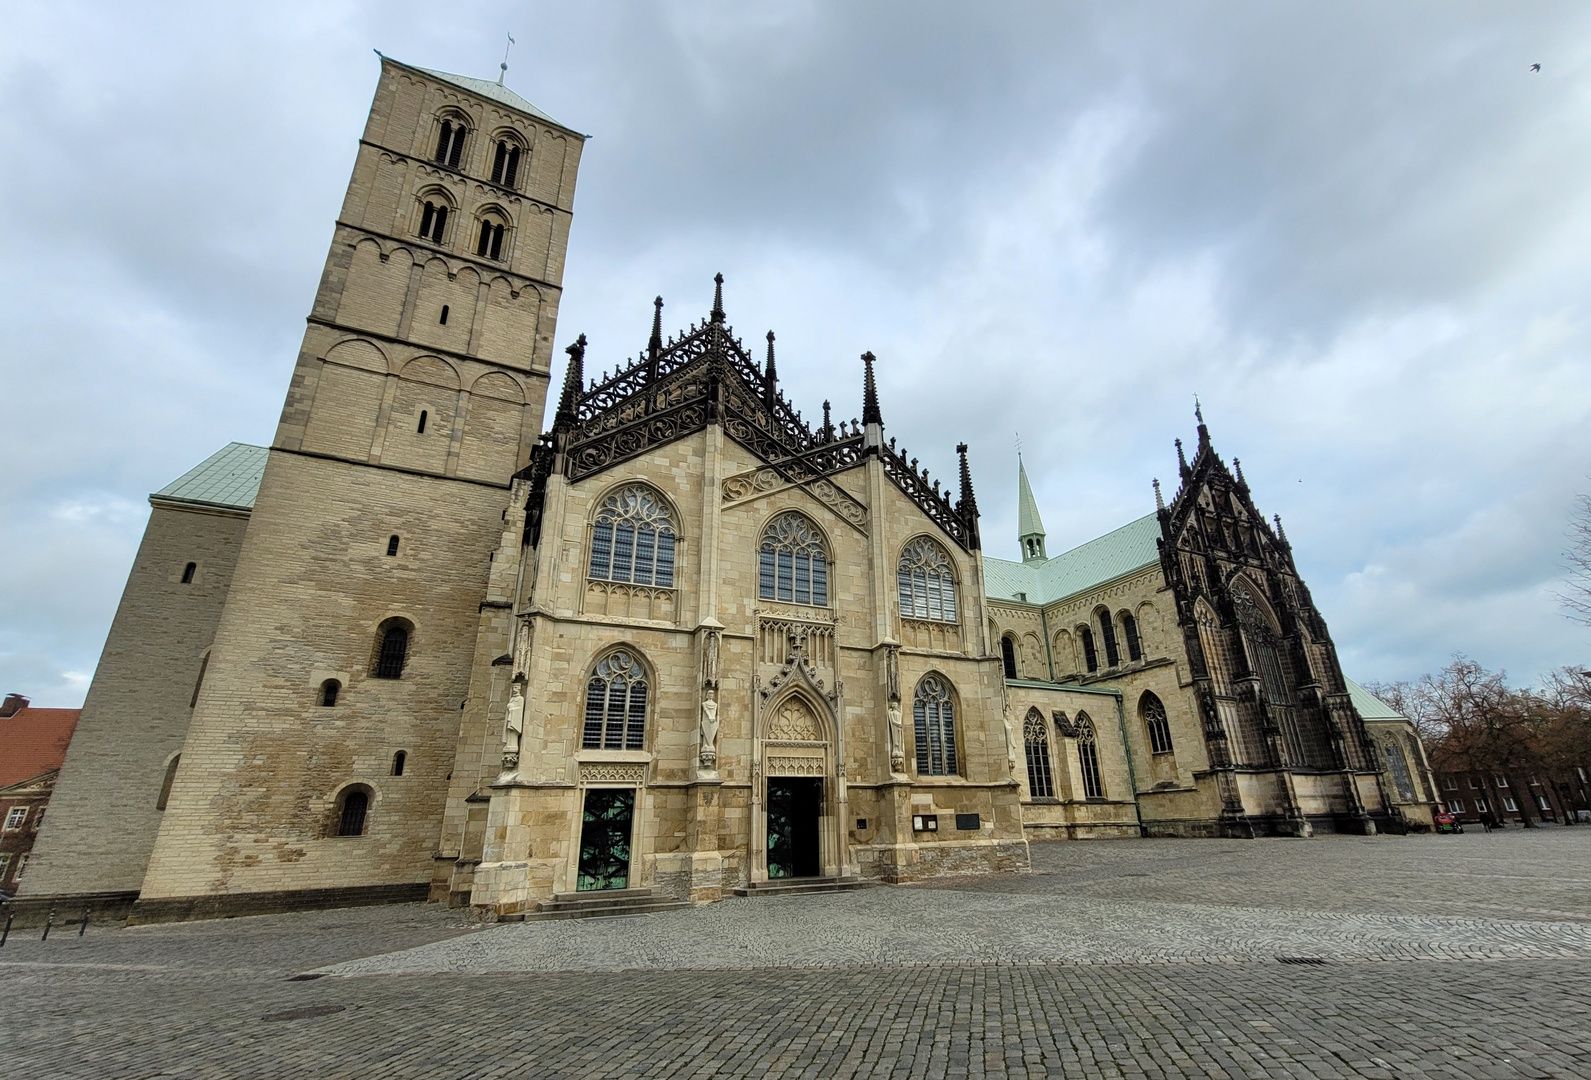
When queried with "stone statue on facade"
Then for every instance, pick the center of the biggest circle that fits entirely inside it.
(513, 726)
(707, 734)
(897, 736)
(1010, 738)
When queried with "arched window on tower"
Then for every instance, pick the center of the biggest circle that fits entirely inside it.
(351, 813)
(165, 784)
(793, 563)
(505, 162)
(188, 572)
(934, 727)
(1088, 758)
(1153, 712)
(927, 582)
(1008, 656)
(328, 693)
(1107, 632)
(450, 143)
(1035, 737)
(392, 649)
(632, 539)
(433, 220)
(489, 244)
(1129, 630)
(1090, 657)
(616, 704)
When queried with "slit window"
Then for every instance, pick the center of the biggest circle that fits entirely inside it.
(197, 683)
(392, 545)
(328, 693)
(188, 572)
(165, 784)
(424, 415)
(443, 320)
(398, 761)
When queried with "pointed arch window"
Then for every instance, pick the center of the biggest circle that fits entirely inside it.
(616, 704)
(450, 143)
(505, 163)
(1090, 657)
(793, 563)
(934, 725)
(633, 539)
(1008, 656)
(1153, 712)
(1088, 758)
(1035, 737)
(1129, 630)
(927, 582)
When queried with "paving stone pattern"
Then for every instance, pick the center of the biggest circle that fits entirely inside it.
(853, 997)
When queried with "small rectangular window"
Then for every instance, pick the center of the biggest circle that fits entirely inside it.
(1509, 804)
(1456, 806)
(188, 572)
(16, 817)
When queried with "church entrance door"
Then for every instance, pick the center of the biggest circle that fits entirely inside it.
(795, 805)
(605, 839)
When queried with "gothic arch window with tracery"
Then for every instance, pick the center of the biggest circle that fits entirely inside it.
(633, 539)
(1035, 737)
(934, 727)
(1153, 712)
(793, 563)
(1088, 758)
(927, 582)
(616, 696)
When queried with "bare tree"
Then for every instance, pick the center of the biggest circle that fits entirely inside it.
(1577, 590)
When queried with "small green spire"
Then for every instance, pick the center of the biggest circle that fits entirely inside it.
(1030, 527)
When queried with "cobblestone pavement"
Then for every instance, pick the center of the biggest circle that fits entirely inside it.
(946, 993)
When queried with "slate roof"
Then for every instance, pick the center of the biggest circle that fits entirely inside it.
(228, 478)
(33, 742)
(1085, 567)
(1371, 707)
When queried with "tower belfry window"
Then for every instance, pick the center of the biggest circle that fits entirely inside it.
(490, 244)
(450, 144)
(433, 221)
(505, 163)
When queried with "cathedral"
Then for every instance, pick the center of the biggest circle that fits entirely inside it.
(683, 643)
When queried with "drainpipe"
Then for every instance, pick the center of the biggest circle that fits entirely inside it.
(1121, 724)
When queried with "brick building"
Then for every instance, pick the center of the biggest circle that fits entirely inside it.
(1561, 800)
(33, 744)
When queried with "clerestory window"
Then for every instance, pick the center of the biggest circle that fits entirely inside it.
(934, 725)
(927, 582)
(616, 704)
(633, 538)
(793, 563)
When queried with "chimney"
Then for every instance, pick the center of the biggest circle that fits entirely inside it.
(14, 704)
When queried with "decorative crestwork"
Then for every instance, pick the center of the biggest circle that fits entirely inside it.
(783, 765)
(598, 772)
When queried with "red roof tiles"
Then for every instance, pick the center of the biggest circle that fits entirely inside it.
(33, 741)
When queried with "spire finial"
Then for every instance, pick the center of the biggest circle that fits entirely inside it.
(1160, 501)
(1237, 467)
(969, 502)
(828, 426)
(573, 382)
(1281, 533)
(1204, 432)
(655, 346)
(870, 410)
(718, 298)
(770, 377)
(1182, 462)
(1198, 410)
(502, 69)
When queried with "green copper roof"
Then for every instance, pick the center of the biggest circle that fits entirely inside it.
(1086, 566)
(228, 478)
(1371, 707)
(494, 91)
(1028, 522)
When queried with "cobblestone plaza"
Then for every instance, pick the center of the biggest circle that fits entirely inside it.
(1423, 957)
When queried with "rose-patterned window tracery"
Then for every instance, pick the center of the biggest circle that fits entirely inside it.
(616, 704)
(927, 582)
(793, 565)
(632, 539)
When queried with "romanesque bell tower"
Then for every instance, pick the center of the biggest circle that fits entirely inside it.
(341, 664)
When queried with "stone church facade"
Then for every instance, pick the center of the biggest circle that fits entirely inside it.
(683, 641)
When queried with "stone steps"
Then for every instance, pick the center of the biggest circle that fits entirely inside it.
(608, 903)
(796, 886)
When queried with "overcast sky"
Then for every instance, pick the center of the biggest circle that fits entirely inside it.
(1359, 232)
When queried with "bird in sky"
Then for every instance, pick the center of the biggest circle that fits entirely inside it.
(1535, 67)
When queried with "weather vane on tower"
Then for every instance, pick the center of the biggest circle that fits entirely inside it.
(502, 69)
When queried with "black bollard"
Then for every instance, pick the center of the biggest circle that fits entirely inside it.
(49, 920)
(84, 924)
(7, 931)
